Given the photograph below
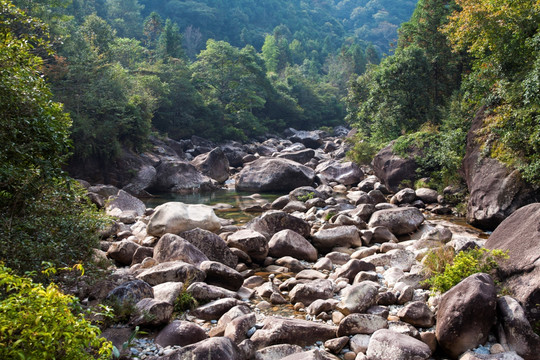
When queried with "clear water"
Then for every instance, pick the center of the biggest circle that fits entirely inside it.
(228, 204)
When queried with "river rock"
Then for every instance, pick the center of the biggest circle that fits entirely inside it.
(392, 169)
(358, 298)
(519, 234)
(314, 354)
(237, 329)
(251, 242)
(181, 333)
(123, 203)
(175, 175)
(345, 236)
(361, 324)
(277, 352)
(172, 247)
(429, 196)
(399, 221)
(403, 196)
(309, 292)
(351, 268)
(287, 242)
(278, 330)
(466, 314)
(177, 217)
(122, 251)
(215, 348)
(204, 292)
(131, 292)
(221, 275)
(300, 156)
(213, 164)
(273, 174)
(168, 291)
(517, 329)
(389, 345)
(175, 271)
(310, 139)
(215, 309)
(495, 189)
(214, 247)
(346, 173)
(417, 313)
(152, 312)
(274, 221)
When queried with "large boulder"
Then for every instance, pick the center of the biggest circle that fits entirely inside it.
(466, 314)
(130, 292)
(176, 217)
(346, 236)
(175, 175)
(272, 222)
(152, 312)
(496, 190)
(215, 348)
(213, 164)
(251, 242)
(306, 293)
(392, 169)
(277, 330)
(399, 221)
(274, 174)
(289, 243)
(172, 247)
(221, 275)
(517, 329)
(346, 173)
(310, 139)
(361, 324)
(300, 156)
(175, 271)
(180, 333)
(390, 345)
(123, 204)
(519, 234)
(214, 247)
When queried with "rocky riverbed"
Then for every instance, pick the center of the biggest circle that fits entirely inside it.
(332, 269)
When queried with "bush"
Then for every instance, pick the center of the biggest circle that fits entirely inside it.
(463, 265)
(42, 323)
(59, 226)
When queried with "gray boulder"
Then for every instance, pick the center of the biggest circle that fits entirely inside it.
(177, 217)
(306, 293)
(274, 174)
(466, 314)
(277, 330)
(300, 156)
(346, 173)
(152, 312)
(361, 324)
(174, 271)
(172, 247)
(390, 345)
(213, 246)
(215, 348)
(274, 221)
(213, 164)
(181, 333)
(289, 243)
(251, 242)
(399, 221)
(175, 175)
(221, 275)
(345, 236)
(123, 203)
(392, 169)
(519, 234)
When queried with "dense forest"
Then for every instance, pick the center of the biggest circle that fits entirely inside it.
(456, 60)
(220, 69)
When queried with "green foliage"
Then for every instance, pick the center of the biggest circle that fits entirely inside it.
(38, 322)
(185, 301)
(464, 264)
(45, 215)
(306, 197)
(363, 150)
(119, 312)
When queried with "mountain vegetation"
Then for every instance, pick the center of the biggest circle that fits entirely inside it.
(453, 59)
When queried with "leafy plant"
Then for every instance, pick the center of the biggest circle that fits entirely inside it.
(185, 301)
(41, 323)
(463, 265)
(306, 197)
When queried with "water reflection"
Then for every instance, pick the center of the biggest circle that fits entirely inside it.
(229, 204)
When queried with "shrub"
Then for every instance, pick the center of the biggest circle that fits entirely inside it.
(463, 265)
(42, 323)
(185, 301)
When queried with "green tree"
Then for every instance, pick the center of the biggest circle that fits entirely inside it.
(170, 41)
(44, 217)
